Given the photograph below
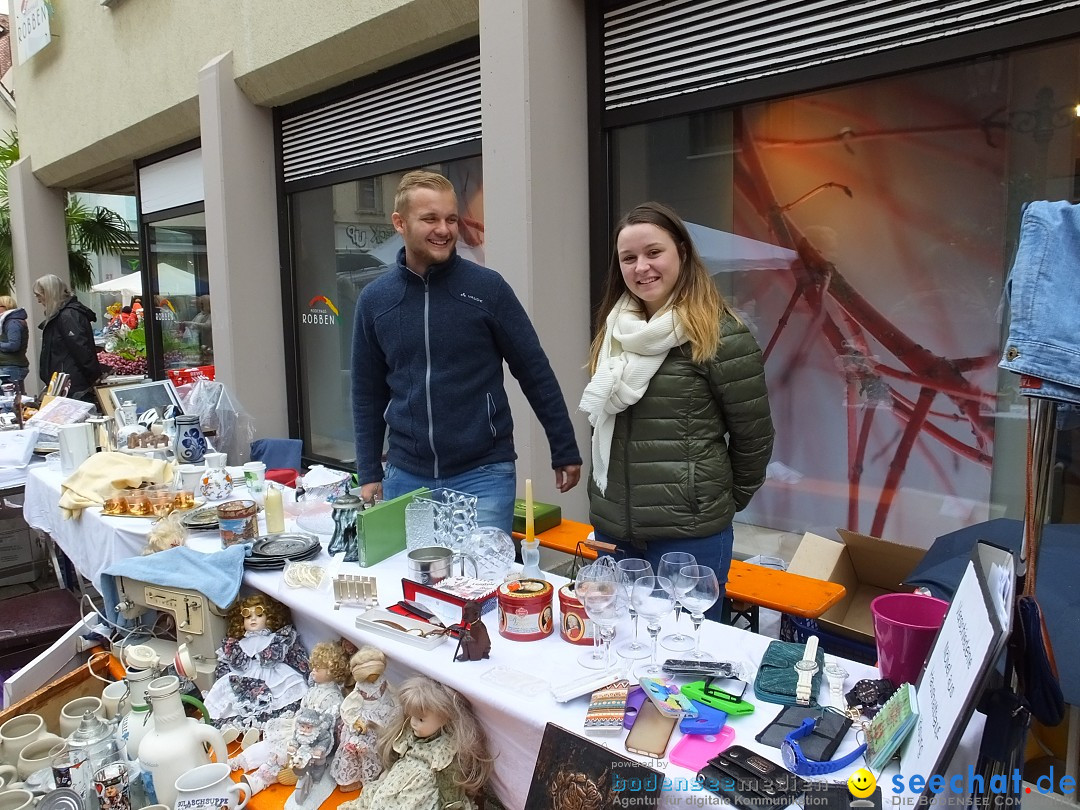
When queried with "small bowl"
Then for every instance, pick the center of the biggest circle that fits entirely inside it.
(52, 461)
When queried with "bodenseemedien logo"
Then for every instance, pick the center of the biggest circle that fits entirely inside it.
(321, 312)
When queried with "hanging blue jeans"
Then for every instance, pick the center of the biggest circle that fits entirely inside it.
(1044, 298)
(494, 486)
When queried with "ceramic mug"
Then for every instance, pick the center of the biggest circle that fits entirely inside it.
(210, 787)
(8, 774)
(17, 733)
(37, 755)
(189, 476)
(17, 799)
(71, 714)
(114, 699)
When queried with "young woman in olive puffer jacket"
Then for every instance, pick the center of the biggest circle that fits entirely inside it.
(682, 430)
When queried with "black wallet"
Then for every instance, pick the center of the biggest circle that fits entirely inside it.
(749, 780)
(820, 744)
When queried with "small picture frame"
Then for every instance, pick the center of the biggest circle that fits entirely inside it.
(146, 394)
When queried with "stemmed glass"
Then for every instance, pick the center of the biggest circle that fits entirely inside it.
(699, 591)
(597, 587)
(652, 598)
(670, 565)
(631, 570)
(605, 604)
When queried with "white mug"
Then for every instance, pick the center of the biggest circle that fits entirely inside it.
(37, 755)
(71, 714)
(17, 733)
(7, 775)
(190, 476)
(17, 799)
(209, 786)
(114, 699)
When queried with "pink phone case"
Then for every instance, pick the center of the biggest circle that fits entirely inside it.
(694, 751)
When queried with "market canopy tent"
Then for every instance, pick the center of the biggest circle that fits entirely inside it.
(171, 281)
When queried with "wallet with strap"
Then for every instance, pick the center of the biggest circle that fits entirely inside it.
(749, 780)
(777, 679)
(821, 743)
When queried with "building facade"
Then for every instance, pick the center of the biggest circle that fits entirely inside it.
(854, 174)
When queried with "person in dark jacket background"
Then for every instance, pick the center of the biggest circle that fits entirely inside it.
(13, 336)
(67, 338)
(429, 343)
(682, 430)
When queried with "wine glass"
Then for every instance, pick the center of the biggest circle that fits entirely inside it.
(671, 564)
(653, 599)
(699, 590)
(605, 604)
(599, 583)
(632, 569)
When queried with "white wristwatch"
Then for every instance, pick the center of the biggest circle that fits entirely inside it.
(806, 668)
(836, 675)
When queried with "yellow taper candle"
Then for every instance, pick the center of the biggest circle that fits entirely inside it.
(528, 511)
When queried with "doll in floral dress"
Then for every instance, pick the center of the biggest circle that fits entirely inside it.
(438, 756)
(371, 707)
(262, 666)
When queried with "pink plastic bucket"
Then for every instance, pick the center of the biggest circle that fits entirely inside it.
(904, 628)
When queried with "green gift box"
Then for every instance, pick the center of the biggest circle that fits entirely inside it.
(545, 516)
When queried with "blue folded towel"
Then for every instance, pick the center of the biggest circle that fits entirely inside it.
(217, 576)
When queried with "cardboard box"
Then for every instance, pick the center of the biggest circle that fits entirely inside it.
(866, 566)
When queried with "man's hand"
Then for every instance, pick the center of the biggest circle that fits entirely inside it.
(370, 493)
(566, 478)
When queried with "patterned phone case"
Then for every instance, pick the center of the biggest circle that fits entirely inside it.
(606, 708)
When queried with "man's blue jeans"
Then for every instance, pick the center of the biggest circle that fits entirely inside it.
(494, 485)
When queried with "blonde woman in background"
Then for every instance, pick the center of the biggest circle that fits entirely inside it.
(13, 336)
(67, 338)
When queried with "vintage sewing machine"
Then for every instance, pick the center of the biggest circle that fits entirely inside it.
(198, 624)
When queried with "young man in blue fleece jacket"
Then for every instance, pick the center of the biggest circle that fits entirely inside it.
(429, 343)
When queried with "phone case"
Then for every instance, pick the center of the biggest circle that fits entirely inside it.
(750, 780)
(734, 706)
(695, 751)
(667, 698)
(634, 700)
(650, 733)
(820, 744)
(708, 720)
(606, 709)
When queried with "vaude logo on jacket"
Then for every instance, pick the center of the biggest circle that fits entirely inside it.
(472, 298)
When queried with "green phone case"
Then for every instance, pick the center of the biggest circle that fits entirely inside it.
(695, 690)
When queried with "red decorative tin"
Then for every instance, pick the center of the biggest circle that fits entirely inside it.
(574, 625)
(525, 611)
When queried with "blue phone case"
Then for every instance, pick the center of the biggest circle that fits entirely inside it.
(668, 699)
(708, 720)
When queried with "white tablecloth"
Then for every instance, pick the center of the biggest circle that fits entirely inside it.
(514, 721)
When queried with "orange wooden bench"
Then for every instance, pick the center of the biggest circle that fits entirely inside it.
(754, 584)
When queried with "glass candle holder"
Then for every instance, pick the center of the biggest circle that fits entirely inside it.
(116, 505)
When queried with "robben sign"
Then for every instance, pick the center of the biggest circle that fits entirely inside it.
(32, 29)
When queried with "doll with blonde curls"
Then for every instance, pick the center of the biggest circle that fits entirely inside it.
(262, 666)
(369, 708)
(437, 757)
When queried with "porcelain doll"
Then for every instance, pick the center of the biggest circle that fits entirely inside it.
(273, 756)
(262, 666)
(438, 756)
(370, 707)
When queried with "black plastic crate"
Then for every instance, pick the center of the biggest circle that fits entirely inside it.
(796, 628)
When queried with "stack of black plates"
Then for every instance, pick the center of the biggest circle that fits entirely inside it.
(274, 550)
(201, 520)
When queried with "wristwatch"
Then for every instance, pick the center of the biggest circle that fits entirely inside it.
(836, 676)
(795, 760)
(806, 668)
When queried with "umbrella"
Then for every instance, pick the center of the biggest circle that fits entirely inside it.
(725, 252)
(171, 281)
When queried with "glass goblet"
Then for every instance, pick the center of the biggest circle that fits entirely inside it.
(604, 608)
(652, 598)
(700, 591)
(631, 570)
(602, 577)
(671, 564)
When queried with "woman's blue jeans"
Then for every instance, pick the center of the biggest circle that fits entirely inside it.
(713, 551)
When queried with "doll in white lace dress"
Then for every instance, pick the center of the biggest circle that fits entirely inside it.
(262, 666)
(371, 707)
(437, 757)
(273, 756)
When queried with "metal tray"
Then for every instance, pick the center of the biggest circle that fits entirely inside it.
(370, 621)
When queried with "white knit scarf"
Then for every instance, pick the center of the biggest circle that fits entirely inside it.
(632, 351)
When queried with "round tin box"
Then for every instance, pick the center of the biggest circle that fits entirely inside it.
(574, 624)
(525, 611)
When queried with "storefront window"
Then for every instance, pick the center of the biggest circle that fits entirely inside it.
(342, 239)
(182, 311)
(864, 233)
